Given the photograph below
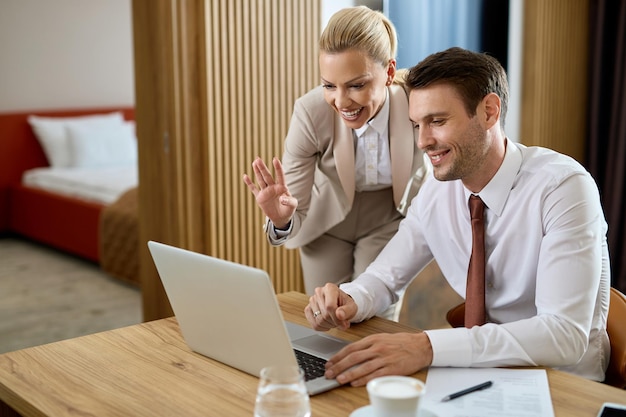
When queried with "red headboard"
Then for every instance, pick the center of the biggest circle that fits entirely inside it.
(20, 150)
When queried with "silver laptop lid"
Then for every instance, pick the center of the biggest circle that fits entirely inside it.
(226, 311)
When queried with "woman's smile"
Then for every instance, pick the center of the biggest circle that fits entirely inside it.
(351, 115)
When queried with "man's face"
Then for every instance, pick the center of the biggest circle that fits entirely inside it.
(354, 85)
(456, 143)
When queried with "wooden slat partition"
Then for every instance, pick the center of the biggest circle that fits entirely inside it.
(215, 85)
(554, 76)
(261, 56)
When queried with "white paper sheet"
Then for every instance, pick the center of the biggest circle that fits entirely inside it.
(514, 393)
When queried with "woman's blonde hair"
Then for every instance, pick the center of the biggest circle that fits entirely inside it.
(363, 29)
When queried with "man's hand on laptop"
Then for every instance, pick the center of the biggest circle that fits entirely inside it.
(378, 355)
(371, 357)
(330, 307)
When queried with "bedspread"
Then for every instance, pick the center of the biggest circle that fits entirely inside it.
(119, 238)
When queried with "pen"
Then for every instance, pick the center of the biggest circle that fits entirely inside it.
(467, 391)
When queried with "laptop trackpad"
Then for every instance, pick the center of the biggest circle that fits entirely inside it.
(320, 344)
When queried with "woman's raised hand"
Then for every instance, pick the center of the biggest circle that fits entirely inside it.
(272, 195)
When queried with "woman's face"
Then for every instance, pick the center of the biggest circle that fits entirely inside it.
(354, 85)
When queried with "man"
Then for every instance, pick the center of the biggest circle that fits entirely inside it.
(546, 262)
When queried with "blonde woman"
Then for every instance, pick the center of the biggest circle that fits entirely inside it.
(351, 162)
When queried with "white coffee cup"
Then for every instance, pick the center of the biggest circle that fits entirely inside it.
(395, 396)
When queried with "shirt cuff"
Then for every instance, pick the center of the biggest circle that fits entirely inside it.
(451, 347)
(363, 300)
(277, 237)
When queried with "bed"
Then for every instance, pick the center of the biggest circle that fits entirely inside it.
(51, 212)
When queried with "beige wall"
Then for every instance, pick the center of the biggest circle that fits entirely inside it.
(65, 54)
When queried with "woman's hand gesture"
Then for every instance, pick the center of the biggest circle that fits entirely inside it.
(272, 195)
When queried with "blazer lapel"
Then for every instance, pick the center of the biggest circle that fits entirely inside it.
(343, 152)
(401, 141)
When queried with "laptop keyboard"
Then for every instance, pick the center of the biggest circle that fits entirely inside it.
(312, 366)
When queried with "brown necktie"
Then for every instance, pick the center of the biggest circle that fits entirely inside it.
(475, 292)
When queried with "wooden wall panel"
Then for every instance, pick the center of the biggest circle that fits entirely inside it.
(261, 56)
(554, 75)
(215, 84)
(152, 33)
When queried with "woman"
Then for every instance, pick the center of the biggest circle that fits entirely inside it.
(351, 163)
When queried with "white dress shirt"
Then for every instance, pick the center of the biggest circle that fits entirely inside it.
(372, 161)
(547, 265)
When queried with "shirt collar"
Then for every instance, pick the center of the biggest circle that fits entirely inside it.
(379, 122)
(496, 192)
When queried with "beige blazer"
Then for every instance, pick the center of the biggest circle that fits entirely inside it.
(318, 161)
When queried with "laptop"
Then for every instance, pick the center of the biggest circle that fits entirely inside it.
(229, 313)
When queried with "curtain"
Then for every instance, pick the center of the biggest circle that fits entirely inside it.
(428, 26)
(606, 148)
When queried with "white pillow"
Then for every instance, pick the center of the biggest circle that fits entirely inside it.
(52, 134)
(102, 147)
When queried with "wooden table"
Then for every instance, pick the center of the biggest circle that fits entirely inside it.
(148, 370)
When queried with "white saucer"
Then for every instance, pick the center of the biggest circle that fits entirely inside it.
(367, 411)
